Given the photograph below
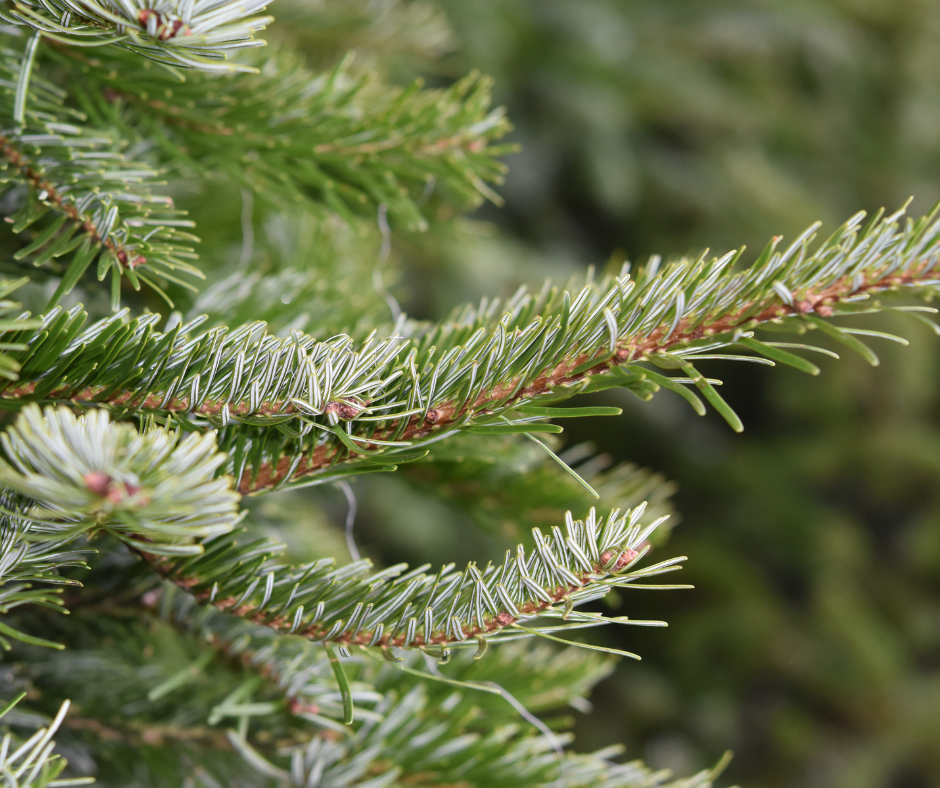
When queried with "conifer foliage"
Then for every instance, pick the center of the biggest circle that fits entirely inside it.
(142, 421)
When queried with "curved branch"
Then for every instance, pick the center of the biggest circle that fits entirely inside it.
(396, 608)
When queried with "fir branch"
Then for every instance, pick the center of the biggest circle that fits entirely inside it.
(671, 317)
(80, 199)
(409, 717)
(149, 489)
(24, 562)
(421, 731)
(294, 408)
(9, 368)
(33, 763)
(409, 729)
(290, 135)
(411, 609)
(212, 363)
(107, 669)
(190, 34)
(301, 670)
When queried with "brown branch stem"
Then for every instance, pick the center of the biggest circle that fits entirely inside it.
(63, 204)
(154, 735)
(164, 567)
(446, 415)
(658, 341)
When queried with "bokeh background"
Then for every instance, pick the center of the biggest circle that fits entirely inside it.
(811, 643)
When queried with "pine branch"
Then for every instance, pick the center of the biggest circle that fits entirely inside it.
(304, 411)
(77, 199)
(151, 489)
(190, 34)
(291, 135)
(395, 608)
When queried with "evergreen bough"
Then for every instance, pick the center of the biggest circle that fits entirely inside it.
(132, 437)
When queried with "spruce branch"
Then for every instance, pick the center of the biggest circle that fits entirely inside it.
(396, 608)
(190, 34)
(77, 199)
(301, 411)
(292, 135)
(152, 489)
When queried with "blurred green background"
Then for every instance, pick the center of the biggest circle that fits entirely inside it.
(811, 644)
